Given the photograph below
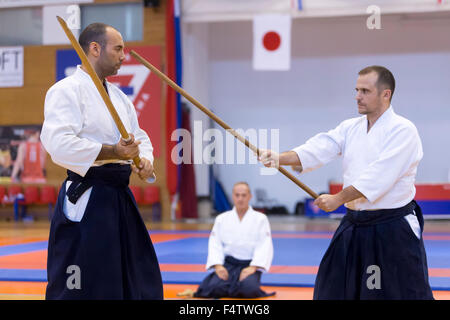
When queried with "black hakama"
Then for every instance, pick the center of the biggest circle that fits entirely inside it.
(214, 287)
(370, 242)
(110, 247)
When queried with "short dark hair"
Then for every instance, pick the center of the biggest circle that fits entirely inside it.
(385, 80)
(95, 32)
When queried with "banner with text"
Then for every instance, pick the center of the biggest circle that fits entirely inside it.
(11, 67)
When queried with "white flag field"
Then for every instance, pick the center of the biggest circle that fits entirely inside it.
(272, 42)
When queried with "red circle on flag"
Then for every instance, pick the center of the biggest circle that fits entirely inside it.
(271, 40)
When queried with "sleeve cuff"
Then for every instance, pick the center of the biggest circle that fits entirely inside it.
(209, 265)
(306, 159)
(84, 167)
(365, 192)
(260, 266)
(147, 155)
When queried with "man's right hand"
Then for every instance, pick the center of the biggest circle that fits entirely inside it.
(221, 272)
(273, 159)
(126, 150)
(269, 158)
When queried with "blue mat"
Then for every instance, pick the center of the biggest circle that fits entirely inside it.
(281, 280)
(287, 252)
(23, 248)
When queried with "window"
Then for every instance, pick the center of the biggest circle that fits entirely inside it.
(24, 26)
(21, 26)
(125, 17)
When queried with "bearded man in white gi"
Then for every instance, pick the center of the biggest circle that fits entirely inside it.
(239, 249)
(377, 252)
(99, 247)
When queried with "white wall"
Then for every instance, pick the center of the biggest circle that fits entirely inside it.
(318, 92)
(195, 81)
(235, 10)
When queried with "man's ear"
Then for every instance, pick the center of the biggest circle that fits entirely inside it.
(95, 49)
(387, 93)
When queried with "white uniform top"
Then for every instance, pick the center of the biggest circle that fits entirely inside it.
(381, 163)
(246, 239)
(77, 123)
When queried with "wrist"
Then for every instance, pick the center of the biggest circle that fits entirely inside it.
(108, 152)
(339, 198)
(116, 154)
(290, 158)
(348, 194)
(114, 150)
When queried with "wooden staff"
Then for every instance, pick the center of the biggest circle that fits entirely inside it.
(180, 90)
(101, 89)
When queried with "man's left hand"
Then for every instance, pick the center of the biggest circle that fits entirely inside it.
(328, 202)
(246, 272)
(145, 169)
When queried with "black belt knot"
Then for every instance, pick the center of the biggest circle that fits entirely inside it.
(111, 174)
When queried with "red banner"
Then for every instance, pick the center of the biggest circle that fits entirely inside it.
(144, 90)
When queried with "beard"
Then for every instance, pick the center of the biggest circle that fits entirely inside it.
(107, 68)
(110, 70)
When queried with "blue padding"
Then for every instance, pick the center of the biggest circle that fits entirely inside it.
(23, 275)
(178, 231)
(183, 277)
(274, 233)
(279, 280)
(292, 252)
(435, 206)
(267, 279)
(287, 251)
(190, 250)
(23, 248)
(438, 253)
(288, 280)
(440, 283)
(206, 232)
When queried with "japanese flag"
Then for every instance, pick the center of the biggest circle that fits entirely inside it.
(272, 42)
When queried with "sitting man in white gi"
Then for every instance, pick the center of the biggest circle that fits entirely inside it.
(239, 249)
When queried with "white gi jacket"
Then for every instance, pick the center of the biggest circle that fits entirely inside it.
(77, 123)
(249, 239)
(381, 164)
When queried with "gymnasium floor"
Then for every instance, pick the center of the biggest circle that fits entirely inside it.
(299, 244)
